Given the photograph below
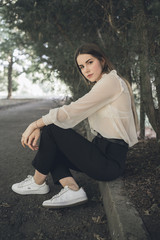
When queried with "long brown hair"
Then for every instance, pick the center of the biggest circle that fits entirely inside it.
(96, 51)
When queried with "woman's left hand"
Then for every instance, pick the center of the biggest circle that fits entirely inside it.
(33, 138)
(27, 133)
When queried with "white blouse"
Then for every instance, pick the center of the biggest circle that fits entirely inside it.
(108, 109)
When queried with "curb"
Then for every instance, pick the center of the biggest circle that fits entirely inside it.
(124, 221)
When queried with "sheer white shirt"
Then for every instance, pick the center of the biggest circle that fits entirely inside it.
(108, 109)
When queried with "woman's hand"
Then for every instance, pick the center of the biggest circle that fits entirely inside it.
(27, 133)
(26, 140)
(33, 138)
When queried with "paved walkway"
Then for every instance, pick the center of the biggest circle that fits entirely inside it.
(7, 103)
(23, 217)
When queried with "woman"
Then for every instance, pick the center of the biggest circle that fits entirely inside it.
(110, 109)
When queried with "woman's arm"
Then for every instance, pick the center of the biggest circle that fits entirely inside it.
(105, 91)
(29, 130)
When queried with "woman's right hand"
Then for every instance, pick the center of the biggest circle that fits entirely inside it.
(29, 137)
(33, 138)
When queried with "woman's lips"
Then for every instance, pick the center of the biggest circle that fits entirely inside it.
(89, 76)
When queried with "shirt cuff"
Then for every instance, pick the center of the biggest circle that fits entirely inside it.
(51, 117)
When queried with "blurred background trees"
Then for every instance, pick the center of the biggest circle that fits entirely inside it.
(128, 31)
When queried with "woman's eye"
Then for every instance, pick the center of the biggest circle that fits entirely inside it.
(90, 62)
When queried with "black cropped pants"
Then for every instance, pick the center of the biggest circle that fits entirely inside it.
(63, 149)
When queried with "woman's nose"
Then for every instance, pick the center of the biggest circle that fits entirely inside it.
(86, 69)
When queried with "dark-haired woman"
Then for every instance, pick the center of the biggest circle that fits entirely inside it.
(109, 107)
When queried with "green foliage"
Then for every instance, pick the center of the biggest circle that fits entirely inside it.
(14, 85)
(56, 28)
(56, 32)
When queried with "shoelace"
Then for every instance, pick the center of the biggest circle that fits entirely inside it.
(25, 180)
(60, 193)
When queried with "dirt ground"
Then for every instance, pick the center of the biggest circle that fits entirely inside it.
(142, 183)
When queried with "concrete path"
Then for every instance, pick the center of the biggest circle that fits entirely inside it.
(23, 217)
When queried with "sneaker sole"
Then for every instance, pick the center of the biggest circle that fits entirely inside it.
(30, 192)
(65, 206)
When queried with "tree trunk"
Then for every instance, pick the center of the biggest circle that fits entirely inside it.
(142, 115)
(142, 33)
(157, 83)
(10, 66)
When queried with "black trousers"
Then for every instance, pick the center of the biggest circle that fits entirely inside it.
(63, 149)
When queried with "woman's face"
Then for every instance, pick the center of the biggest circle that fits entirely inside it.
(90, 67)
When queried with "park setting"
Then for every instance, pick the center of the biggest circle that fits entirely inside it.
(38, 42)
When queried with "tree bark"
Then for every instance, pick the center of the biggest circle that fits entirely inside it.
(10, 67)
(142, 115)
(157, 83)
(142, 34)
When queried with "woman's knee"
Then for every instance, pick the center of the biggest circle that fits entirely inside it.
(51, 130)
(46, 132)
(48, 128)
(45, 129)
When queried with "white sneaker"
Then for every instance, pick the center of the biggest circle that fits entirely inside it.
(66, 198)
(28, 186)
